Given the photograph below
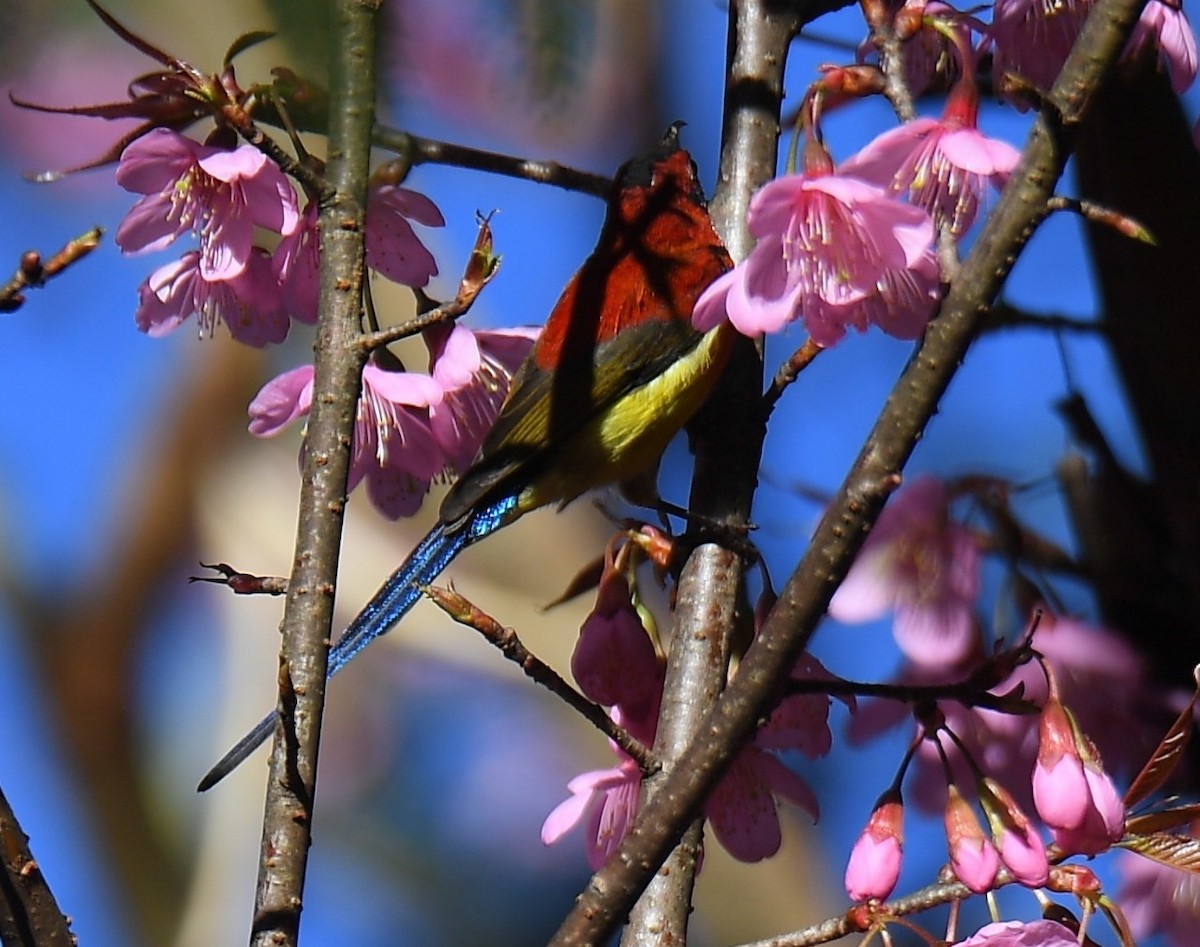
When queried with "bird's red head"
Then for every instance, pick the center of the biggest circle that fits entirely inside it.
(656, 253)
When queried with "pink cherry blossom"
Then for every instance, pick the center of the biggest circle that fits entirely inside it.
(1040, 933)
(930, 60)
(392, 247)
(247, 303)
(473, 369)
(1031, 39)
(1165, 25)
(742, 811)
(1102, 678)
(1021, 848)
(943, 165)
(1059, 785)
(972, 855)
(920, 564)
(1104, 821)
(614, 662)
(1157, 898)
(874, 865)
(393, 448)
(929, 57)
(296, 262)
(835, 251)
(220, 194)
(605, 801)
(1072, 793)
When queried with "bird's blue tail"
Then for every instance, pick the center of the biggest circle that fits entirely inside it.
(391, 603)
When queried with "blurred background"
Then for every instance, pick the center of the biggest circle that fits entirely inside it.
(124, 462)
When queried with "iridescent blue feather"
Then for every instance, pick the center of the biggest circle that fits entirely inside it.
(391, 603)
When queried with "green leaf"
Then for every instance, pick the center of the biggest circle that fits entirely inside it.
(1175, 851)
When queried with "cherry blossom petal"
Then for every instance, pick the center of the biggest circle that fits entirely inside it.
(393, 247)
(976, 153)
(1040, 933)
(742, 813)
(281, 401)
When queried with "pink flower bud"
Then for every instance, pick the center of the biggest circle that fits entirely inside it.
(874, 865)
(972, 855)
(614, 661)
(1059, 786)
(1104, 822)
(1021, 848)
(1072, 792)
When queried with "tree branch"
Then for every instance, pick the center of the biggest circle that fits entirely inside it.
(727, 441)
(308, 613)
(29, 915)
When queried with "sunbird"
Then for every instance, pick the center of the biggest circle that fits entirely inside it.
(616, 372)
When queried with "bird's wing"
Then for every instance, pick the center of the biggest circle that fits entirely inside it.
(546, 410)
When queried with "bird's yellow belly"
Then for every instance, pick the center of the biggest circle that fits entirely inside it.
(630, 437)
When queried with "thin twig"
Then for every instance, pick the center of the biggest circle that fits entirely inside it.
(788, 372)
(32, 271)
(481, 267)
(968, 693)
(319, 186)
(1004, 315)
(1097, 213)
(415, 150)
(863, 917)
(860, 918)
(467, 613)
(241, 583)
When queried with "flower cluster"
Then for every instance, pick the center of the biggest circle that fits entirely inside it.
(411, 426)
(835, 248)
(925, 567)
(1031, 40)
(615, 664)
(221, 195)
(838, 249)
